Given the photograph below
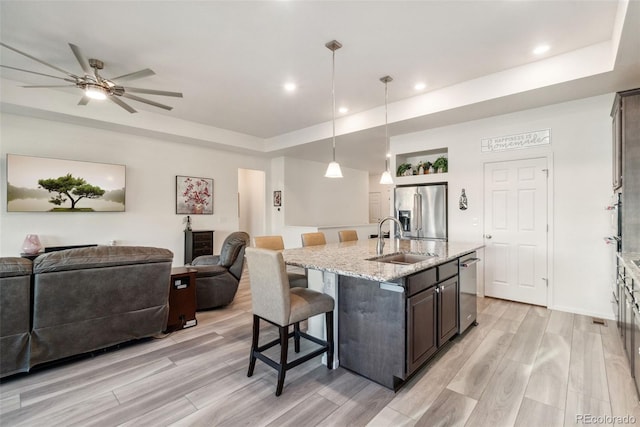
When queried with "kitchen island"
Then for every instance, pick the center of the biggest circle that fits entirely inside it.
(393, 311)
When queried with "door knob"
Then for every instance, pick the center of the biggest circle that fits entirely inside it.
(487, 236)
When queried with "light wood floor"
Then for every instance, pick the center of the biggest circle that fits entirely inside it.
(523, 365)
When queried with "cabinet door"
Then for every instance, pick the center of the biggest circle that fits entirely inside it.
(448, 309)
(421, 328)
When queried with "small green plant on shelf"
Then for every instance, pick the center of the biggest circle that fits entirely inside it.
(427, 166)
(404, 167)
(441, 164)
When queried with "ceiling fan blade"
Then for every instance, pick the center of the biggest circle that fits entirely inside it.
(41, 86)
(81, 59)
(39, 60)
(35, 72)
(84, 100)
(153, 92)
(122, 104)
(137, 75)
(147, 101)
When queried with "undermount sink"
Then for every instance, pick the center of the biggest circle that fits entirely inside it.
(637, 262)
(403, 259)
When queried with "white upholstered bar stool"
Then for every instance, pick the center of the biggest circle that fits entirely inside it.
(347, 235)
(313, 239)
(275, 243)
(275, 302)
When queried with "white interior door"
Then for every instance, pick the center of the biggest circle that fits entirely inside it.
(374, 207)
(515, 227)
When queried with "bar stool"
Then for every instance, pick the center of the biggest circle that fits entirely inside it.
(313, 239)
(347, 235)
(274, 302)
(275, 243)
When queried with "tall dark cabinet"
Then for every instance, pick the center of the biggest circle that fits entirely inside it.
(626, 164)
(197, 243)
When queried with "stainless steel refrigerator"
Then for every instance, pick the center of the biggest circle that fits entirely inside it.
(422, 211)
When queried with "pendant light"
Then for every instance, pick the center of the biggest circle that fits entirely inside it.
(333, 170)
(386, 175)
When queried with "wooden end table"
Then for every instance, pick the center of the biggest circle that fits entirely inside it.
(182, 299)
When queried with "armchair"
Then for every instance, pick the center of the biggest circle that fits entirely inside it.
(218, 276)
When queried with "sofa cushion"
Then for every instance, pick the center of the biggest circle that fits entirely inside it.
(99, 256)
(11, 267)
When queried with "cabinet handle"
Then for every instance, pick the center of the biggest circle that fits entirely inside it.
(437, 291)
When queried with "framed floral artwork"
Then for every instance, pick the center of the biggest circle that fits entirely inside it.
(277, 198)
(194, 196)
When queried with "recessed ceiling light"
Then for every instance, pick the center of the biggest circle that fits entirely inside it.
(290, 87)
(540, 49)
(343, 110)
(420, 86)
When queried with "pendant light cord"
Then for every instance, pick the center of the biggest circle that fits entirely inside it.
(333, 96)
(386, 126)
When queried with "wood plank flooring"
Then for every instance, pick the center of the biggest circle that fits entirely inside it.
(522, 365)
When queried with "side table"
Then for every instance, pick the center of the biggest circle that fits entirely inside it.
(182, 299)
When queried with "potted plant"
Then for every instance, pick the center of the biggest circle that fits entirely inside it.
(441, 164)
(403, 168)
(427, 166)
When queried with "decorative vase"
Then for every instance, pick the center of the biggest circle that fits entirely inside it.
(31, 244)
(198, 209)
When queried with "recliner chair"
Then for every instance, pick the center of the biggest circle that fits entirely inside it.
(218, 276)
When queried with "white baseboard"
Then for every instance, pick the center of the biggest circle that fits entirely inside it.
(608, 315)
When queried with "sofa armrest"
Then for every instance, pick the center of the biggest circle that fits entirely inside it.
(206, 260)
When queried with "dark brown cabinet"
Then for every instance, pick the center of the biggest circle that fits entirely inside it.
(422, 335)
(432, 314)
(447, 310)
(197, 243)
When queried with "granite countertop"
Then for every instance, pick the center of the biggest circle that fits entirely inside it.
(631, 267)
(352, 258)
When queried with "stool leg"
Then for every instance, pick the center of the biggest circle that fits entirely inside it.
(284, 348)
(296, 336)
(254, 344)
(329, 323)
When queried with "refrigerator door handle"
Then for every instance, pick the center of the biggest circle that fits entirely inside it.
(417, 206)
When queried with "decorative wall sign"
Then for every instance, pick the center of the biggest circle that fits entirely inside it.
(38, 184)
(194, 196)
(277, 198)
(516, 142)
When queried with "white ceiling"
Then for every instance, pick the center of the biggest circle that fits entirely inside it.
(230, 59)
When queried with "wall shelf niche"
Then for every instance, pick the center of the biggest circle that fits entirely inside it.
(416, 157)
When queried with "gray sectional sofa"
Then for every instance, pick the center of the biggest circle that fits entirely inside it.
(82, 300)
(15, 313)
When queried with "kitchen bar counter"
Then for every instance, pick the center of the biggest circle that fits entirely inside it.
(353, 258)
(384, 321)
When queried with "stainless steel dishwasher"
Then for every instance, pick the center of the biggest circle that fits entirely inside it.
(468, 274)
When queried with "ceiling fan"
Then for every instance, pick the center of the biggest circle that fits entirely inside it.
(94, 85)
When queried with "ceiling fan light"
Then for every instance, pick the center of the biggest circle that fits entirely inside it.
(333, 170)
(95, 92)
(386, 179)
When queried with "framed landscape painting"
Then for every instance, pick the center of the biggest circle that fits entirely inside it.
(38, 184)
(194, 196)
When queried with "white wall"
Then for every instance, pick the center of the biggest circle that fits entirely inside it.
(313, 200)
(152, 165)
(580, 185)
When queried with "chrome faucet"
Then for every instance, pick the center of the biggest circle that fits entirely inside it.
(380, 244)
